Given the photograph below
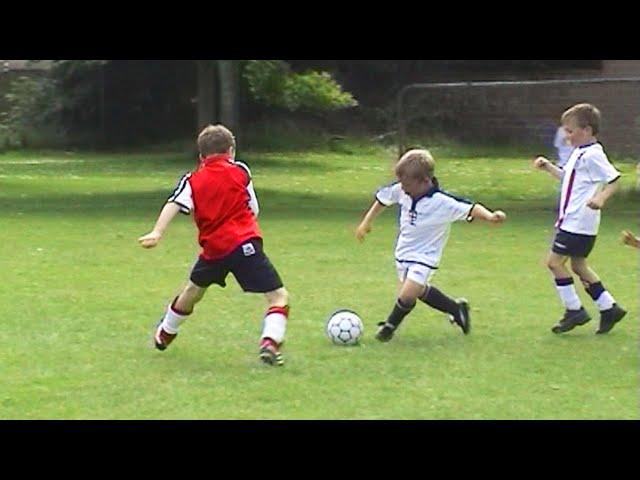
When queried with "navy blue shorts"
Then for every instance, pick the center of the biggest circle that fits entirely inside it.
(573, 244)
(248, 263)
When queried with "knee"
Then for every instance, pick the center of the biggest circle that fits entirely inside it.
(192, 294)
(192, 290)
(410, 298)
(552, 264)
(577, 270)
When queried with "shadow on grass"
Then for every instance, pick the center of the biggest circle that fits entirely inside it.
(281, 204)
(38, 163)
(273, 203)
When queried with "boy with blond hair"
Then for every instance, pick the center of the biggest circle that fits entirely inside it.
(581, 200)
(220, 195)
(426, 214)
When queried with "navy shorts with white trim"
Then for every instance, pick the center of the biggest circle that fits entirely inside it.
(573, 244)
(248, 263)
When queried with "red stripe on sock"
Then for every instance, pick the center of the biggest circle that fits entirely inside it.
(178, 312)
(267, 342)
(281, 310)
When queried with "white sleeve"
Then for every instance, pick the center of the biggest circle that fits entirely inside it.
(389, 194)
(600, 169)
(253, 200)
(457, 209)
(182, 195)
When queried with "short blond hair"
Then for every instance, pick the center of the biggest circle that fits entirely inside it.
(215, 139)
(585, 115)
(417, 164)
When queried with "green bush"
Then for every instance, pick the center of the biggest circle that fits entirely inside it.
(272, 83)
(30, 114)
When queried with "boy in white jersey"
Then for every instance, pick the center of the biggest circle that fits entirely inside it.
(426, 215)
(581, 200)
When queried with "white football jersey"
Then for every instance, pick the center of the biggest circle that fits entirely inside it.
(424, 223)
(587, 169)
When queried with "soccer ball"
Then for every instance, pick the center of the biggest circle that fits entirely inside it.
(344, 327)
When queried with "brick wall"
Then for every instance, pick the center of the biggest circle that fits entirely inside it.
(530, 114)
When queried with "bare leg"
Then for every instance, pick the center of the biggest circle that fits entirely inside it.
(586, 274)
(410, 291)
(277, 298)
(189, 297)
(177, 313)
(556, 263)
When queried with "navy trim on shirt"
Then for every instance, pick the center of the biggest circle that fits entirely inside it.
(182, 206)
(428, 194)
(469, 217)
(182, 183)
(244, 167)
(460, 199)
(587, 145)
(419, 263)
(615, 179)
(378, 191)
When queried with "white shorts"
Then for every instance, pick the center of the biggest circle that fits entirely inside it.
(415, 272)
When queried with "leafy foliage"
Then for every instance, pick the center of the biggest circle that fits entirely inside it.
(273, 83)
(32, 105)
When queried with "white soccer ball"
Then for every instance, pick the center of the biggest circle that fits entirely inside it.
(344, 327)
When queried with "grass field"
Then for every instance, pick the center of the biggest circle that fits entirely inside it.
(79, 298)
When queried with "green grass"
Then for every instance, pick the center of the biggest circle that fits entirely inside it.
(79, 298)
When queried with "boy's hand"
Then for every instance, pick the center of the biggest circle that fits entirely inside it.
(596, 203)
(150, 240)
(498, 217)
(362, 231)
(630, 239)
(541, 163)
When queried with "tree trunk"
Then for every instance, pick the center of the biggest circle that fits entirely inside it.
(229, 93)
(207, 113)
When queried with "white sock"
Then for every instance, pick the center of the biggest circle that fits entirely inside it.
(274, 325)
(605, 301)
(172, 320)
(568, 295)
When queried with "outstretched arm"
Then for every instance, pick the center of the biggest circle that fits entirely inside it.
(479, 211)
(365, 225)
(542, 163)
(151, 239)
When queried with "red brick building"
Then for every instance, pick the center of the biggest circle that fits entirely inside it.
(530, 113)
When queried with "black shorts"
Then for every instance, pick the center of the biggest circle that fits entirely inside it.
(573, 244)
(248, 263)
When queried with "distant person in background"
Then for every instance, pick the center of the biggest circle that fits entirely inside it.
(563, 146)
(630, 239)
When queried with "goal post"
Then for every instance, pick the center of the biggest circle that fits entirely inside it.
(523, 112)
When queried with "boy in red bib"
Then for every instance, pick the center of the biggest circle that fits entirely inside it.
(221, 197)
